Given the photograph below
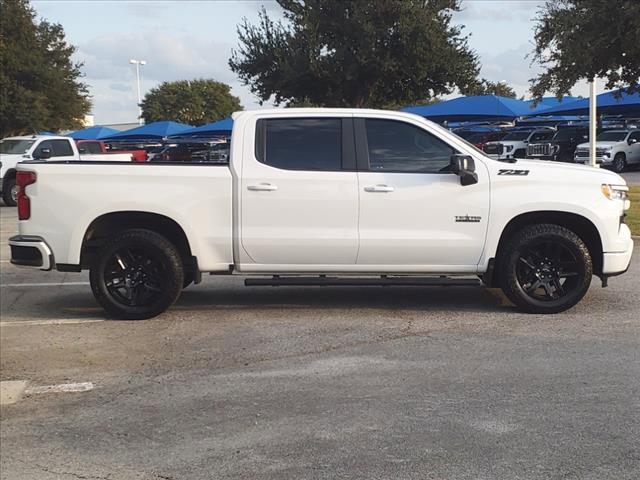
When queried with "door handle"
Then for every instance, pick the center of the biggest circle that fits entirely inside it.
(379, 188)
(262, 187)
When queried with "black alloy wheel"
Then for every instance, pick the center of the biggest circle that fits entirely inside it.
(138, 274)
(545, 268)
(548, 270)
(619, 163)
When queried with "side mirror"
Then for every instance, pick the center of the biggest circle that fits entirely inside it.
(42, 154)
(465, 168)
(631, 141)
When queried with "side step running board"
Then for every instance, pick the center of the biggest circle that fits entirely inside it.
(278, 281)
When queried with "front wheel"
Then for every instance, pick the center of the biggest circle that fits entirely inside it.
(619, 163)
(545, 268)
(138, 274)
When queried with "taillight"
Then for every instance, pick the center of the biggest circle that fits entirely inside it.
(23, 179)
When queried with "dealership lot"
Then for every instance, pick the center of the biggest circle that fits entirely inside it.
(328, 382)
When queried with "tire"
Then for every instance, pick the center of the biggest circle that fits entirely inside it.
(138, 274)
(619, 163)
(545, 268)
(10, 192)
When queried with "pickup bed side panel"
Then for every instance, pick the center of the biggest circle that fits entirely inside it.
(66, 198)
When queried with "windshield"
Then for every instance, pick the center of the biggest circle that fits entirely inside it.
(15, 147)
(517, 135)
(611, 136)
(566, 134)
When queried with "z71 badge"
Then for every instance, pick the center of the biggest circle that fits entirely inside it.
(510, 171)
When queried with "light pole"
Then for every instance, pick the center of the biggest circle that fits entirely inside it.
(137, 63)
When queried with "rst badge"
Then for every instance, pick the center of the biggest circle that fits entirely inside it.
(468, 219)
(512, 171)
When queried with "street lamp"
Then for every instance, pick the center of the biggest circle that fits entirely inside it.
(137, 63)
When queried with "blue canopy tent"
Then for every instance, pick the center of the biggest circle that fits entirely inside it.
(479, 107)
(548, 102)
(607, 103)
(215, 129)
(151, 131)
(92, 133)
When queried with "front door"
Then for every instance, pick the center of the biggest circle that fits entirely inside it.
(414, 214)
(299, 205)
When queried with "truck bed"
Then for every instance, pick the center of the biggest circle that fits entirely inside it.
(66, 199)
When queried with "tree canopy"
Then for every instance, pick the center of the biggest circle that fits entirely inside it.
(355, 53)
(487, 87)
(194, 102)
(582, 39)
(40, 87)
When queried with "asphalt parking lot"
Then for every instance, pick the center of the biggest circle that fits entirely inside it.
(319, 383)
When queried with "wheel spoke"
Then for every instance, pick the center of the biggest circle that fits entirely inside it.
(557, 286)
(533, 286)
(120, 262)
(528, 263)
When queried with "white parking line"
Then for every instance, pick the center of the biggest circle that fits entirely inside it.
(57, 284)
(61, 388)
(62, 321)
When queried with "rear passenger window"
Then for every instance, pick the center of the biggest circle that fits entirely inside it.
(401, 147)
(300, 143)
(61, 148)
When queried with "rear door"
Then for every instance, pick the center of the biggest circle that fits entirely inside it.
(60, 149)
(299, 195)
(414, 214)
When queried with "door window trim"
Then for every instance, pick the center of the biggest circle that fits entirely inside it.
(347, 147)
(362, 147)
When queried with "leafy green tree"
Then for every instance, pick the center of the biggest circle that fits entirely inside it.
(40, 87)
(582, 39)
(487, 87)
(355, 53)
(194, 102)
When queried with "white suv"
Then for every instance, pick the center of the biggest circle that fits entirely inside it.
(614, 148)
(514, 145)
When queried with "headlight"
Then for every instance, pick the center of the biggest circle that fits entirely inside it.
(616, 192)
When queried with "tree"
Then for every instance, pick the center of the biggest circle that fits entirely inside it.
(355, 53)
(583, 39)
(194, 102)
(487, 87)
(40, 87)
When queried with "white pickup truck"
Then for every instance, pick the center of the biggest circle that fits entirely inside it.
(326, 197)
(43, 147)
(614, 148)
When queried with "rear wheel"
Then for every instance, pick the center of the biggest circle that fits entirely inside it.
(10, 192)
(137, 275)
(545, 269)
(619, 163)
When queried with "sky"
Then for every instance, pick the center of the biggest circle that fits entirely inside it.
(186, 39)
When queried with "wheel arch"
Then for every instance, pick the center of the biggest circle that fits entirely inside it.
(580, 225)
(107, 225)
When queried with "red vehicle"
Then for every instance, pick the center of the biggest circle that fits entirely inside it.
(480, 138)
(97, 146)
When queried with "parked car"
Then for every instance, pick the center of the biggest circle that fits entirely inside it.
(561, 147)
(98, 146)
(480, 139)
(514, 144)
(327, 197)
(41, 147)
(615, 148)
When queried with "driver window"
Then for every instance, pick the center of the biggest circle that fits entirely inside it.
(396, 146)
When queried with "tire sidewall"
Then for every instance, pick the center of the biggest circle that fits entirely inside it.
(163, 250)
(7, 192)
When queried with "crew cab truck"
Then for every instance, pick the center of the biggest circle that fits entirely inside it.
(326, 197)
(40, 147)
(615, 149)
